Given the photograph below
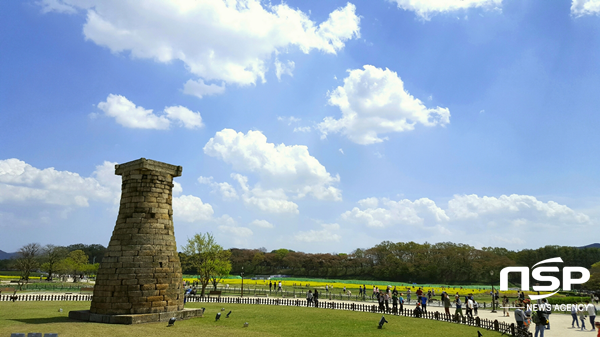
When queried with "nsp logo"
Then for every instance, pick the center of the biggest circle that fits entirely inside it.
(567, 280)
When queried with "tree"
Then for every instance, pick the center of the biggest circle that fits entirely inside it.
(27, 261)
(594, 281)
(222, 268)
(206, 258)
(51, 256)
(77, 263)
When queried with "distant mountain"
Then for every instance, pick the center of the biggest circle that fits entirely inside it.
(4, 255)
(593, 245)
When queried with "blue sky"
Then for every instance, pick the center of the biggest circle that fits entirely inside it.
(319, 126)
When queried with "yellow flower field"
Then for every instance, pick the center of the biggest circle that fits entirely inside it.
(338, 286)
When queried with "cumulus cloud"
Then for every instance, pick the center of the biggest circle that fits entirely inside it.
(470, 218)
(262, 224)
(20, 182)
(402, 212)
(200, 89)
(373, 101)
(224, 40)
(514, 206)
(185, 117)
(326, 234)
(127, 114)
(225, 189)
(189, 208)
(585, 7)
(282, 171)
(131, 116)
(229, 226)
(270, 200)
(426, 8)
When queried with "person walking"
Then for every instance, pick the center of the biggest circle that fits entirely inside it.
(401, 301)
(475, 307)
(360, 291)
(458, 310)
(469, 307)
(270, 286)
(447, 304)
(519, 316)
(574, 315)
(280, 287)
(394, 303)
(547, 309)
(424, 303)
(540, 323)
(505, 306)
(316, 298)
(408, 296)
(386, 299)
(591, 310)
(380, 300)
(582, 312)
(309, 297)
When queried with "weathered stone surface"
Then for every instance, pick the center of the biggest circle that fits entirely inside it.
(141, 265)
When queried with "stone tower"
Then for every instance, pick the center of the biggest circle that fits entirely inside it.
(140, 272)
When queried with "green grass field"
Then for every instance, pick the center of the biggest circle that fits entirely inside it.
(25, 317)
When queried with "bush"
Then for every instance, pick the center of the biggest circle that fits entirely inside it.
(567, 300)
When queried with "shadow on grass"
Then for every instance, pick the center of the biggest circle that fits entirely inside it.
(44, 320)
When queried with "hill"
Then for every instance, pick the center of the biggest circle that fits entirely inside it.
(593, 245)
(4, 255)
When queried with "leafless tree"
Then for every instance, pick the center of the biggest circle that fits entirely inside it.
(27, 261)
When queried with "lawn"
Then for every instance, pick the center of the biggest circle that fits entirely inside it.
(263, 320)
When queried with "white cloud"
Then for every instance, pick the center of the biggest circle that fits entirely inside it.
(200, 89)
(229, 226)
(281, 170)
(186, 117)
(289, 120)
(369, 203)
(224, 40)
(425, 8)
(225, 189)
(270, 201)
(341, 151)
(21, 182)
(189, 208)
(326, 234)
(302, 129)
(284, 68)
(518, 219)
(177, 189)
(56, 6)
(262, 224)
(373, 101)
(127, 114)
(514, 206)
(403, 212)
(585, 7)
